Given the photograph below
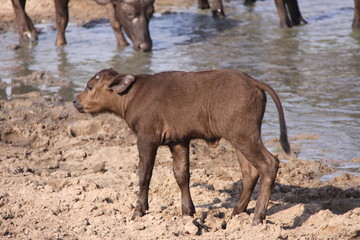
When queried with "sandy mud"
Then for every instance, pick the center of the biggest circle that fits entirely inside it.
(66, 175)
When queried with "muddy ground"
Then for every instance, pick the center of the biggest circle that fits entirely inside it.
(65, 175)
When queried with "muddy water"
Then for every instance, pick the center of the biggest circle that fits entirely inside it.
(315, 68)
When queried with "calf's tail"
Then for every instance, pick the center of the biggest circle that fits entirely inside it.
(283, 132)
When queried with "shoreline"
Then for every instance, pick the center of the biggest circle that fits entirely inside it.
(71, 175)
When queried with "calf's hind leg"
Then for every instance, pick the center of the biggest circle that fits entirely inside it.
(267, 166)
(250, 178)
(180, 153)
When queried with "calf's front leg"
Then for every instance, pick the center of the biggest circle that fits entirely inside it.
(180, 153)
(147, 153)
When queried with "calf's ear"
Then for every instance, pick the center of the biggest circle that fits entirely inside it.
(121, 83)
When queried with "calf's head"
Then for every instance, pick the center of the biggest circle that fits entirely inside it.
(134, 17)
(101, 91)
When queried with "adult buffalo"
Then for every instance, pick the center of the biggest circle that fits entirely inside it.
(132, 16)
(288, 10)
(290, 15)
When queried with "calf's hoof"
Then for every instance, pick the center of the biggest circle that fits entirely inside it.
(237, 211)
(137, 213)
(188, 211)
(257, 221)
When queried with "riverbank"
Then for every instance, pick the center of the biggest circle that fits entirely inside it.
(66, 175)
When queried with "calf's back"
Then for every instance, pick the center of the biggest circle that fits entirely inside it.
(209, 105)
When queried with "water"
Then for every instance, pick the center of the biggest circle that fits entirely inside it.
(315, 68)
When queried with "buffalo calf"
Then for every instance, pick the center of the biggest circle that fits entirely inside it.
(171, 108)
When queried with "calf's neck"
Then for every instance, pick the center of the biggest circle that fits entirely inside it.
(171, 108)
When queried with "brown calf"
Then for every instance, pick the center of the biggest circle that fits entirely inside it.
(171, 108)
